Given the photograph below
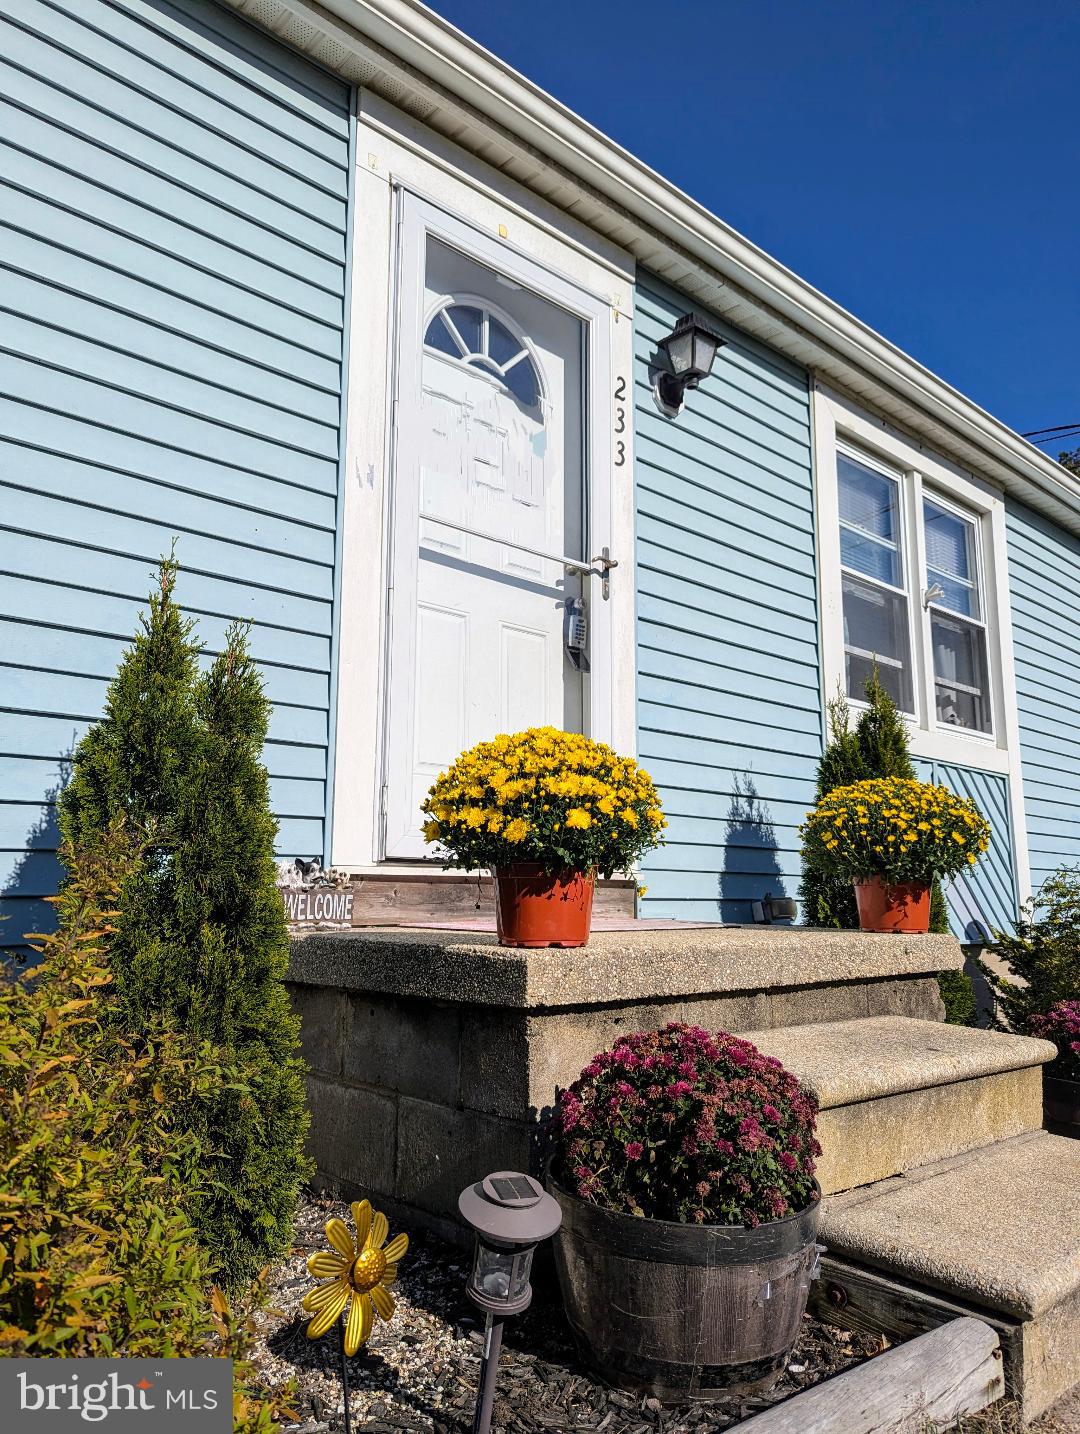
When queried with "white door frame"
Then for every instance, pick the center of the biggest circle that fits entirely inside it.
(416, 217)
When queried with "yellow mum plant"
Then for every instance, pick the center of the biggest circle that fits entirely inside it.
(900, 830)
(547, 796)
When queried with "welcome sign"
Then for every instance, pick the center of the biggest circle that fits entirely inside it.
(315, 898)
(314, 905)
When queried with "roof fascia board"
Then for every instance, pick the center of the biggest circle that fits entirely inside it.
(422, 47)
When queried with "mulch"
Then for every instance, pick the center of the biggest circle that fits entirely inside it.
(421, 1371)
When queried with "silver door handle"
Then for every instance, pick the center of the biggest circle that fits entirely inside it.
(570, 565)
(607, 562)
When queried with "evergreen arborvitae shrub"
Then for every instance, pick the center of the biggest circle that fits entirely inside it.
(828, 899)
(882, 736)
(203, 944)
(97, 1256)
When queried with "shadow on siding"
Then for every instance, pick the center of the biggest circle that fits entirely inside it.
(751, 854)
(35, 875)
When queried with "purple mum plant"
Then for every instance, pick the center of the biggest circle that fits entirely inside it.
(682, 1125)
(1061, 1024)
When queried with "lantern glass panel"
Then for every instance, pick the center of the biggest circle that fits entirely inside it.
(501, 1274)
(680, 348)
(704, 352)
(519, 1280)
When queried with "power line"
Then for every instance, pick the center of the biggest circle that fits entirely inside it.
(1069, 428)
(1060, 438)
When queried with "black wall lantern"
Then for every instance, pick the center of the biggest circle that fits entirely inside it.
(690, 349)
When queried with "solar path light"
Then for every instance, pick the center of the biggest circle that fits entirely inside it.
(510, 1214)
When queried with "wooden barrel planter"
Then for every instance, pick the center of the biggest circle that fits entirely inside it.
(684, 1312)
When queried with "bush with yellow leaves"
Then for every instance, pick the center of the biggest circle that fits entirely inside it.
(98, 1161)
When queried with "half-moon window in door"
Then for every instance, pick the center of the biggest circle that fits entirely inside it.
(472, 335)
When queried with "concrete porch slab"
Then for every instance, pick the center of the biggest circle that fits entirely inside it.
(999, 1226)
(456, 1047)
(634, 965)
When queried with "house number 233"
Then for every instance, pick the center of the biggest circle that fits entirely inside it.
(620, 421)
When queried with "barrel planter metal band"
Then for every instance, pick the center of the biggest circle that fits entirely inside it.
(684, 1312)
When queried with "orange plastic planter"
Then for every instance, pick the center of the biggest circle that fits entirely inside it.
(534, 908)
(899, 906)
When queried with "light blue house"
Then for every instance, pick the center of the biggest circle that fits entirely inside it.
(373, 328)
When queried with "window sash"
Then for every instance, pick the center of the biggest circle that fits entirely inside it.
(958, 705)
(892, 621)
(945, 576)
(923, 640)
(891, 548)
(961, 702)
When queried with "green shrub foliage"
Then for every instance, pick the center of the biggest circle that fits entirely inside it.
(98, 1157)
(203, 945)
(958, 995)
(1044, 954)
(882, 736)
(827, 899)
(96, 1255)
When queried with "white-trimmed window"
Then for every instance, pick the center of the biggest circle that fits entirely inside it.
(912, 593)
(913, 574)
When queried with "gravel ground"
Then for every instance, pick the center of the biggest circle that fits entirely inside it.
(421, 1371)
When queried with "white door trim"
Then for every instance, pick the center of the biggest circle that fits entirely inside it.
(417, 217)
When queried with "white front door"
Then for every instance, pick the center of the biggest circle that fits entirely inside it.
(491, 487)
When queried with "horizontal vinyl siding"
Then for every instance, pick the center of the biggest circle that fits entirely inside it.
(1044, 582)
(729, 700)
(173, 202)
(984, 900)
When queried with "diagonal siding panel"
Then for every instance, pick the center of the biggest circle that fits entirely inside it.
(984, 900)
(174, 190)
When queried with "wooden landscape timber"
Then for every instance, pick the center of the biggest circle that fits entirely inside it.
(856, 1298)
(927, 1383)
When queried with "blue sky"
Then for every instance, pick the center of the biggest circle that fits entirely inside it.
(918, 162)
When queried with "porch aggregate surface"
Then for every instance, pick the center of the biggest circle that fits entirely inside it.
(615, 966)
(990, 1257)
(420, 1372)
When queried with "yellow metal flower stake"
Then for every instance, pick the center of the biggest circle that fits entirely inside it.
(357, 1274)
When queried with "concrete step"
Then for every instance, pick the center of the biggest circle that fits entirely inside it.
(897, 1093)
(994, 1232)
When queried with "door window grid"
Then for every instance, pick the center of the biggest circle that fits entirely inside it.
(878, 595)
(471, 334)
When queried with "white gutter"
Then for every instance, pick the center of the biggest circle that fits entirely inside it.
(434, 50)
